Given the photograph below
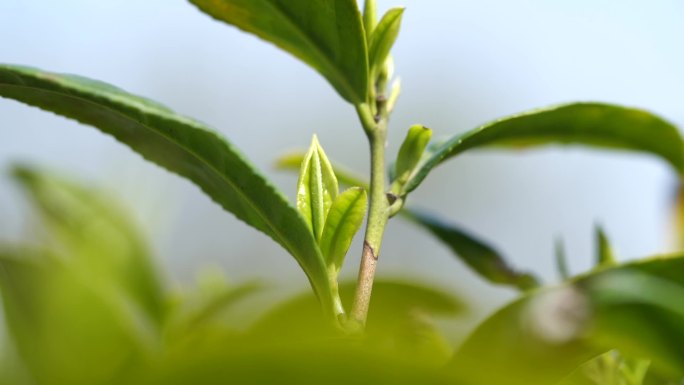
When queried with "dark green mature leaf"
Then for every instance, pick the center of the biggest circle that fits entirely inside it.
(326, 34)
(382, 39)
(96, 236)
(476, 254)
(635, 308)
(592, 124)
(181, 145)
(344, 220)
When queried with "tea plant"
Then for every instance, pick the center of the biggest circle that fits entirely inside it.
(629, 310)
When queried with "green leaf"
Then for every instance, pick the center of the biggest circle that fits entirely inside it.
(67, 327)
(181, 145)
(96, 237)
(393, 302)
(605, 256)
(482, 258)
(344, 220)
(592, 124)
(543, 337)
(382, 39)
(411, 151)
(328, 35)
(317, 188)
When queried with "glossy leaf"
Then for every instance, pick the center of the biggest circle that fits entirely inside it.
(343, 221)
(382, 39)
(317, 188)
(181, 145)
(96, 237)
(411, 151)
(592, 124)
(482, 258)
(326, 34)
(543, 337)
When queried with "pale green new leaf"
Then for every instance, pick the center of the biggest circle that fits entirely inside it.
(382, 39)
(411, 151)
(592, 124)
(317, 188)
(328, 35)
(181, 145)
(293, 162)
(344, 220)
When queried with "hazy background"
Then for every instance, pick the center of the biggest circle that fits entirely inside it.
(462, 64)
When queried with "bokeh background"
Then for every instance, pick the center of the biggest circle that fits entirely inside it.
(461, 63)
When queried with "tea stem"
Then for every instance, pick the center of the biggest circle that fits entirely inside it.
(378, 213)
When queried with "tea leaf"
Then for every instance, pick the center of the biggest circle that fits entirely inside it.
(635, 308)
(317, 188)
(382, 39)
(592, 124)
(97, 237)
(344, 220)
(181, 145)
(328, 35)
(482, 258)
(67, 327)
(411, 151)
(293, 162)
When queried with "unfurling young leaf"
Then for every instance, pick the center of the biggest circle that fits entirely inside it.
(382, 39)
(293, 162)
(344, 220)
(317, 188)
(411, 151)
(328, 35)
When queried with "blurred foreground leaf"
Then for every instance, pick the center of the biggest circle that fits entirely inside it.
(399, 322)
(67, 329)
(635, 308)
(95, 237)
